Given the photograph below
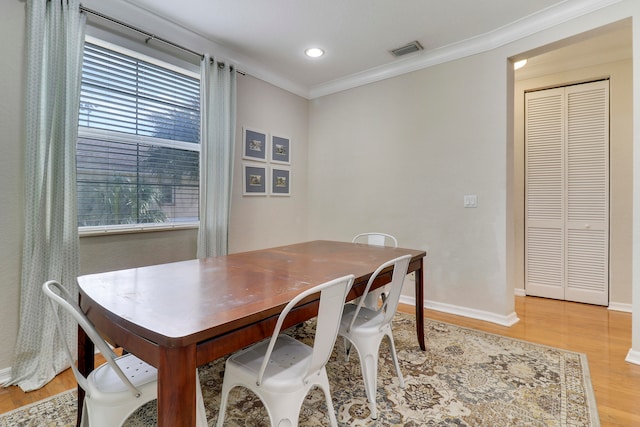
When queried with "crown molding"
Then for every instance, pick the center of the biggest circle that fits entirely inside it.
(517, 30)
(545, 19)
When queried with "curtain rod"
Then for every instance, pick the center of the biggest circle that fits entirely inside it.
(138, 30)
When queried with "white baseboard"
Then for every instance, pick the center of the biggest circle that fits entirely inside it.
(407, 300)
(618, 306)
(633, 357)
(486, 316)
(614, 306)
(5, 375)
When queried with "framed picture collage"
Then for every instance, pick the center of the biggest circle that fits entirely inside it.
(266, 166)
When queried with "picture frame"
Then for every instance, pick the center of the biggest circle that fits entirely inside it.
(280, 150)
(280, 181)
(254, 179)
(254, 144)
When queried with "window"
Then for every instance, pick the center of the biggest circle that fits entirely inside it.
(138, 143)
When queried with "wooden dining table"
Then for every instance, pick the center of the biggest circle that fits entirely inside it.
(181, 315)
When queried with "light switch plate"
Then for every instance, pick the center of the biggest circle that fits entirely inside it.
(471, 201)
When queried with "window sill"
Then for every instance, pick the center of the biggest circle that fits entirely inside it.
(133, 228)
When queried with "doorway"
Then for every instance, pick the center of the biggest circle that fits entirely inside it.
(567, 193)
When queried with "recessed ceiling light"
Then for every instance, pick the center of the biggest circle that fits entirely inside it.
(314, 52)
(519, 64)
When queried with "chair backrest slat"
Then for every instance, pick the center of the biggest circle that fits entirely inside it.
(332, 301)
(395, 287)
(60, 297)
(401, 265)
(332, 298)
(376, 239)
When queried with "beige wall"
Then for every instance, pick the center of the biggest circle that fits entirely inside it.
(399, 156)
(12, 70)
(112, 252)
(395, 156)
(259, 221)
(621, 167)
(256, 222)
(612, 14)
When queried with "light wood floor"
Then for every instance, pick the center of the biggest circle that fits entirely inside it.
(605, 336)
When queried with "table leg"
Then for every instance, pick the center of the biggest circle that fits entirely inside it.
(420, 305)
(86, 360)
(177, 387)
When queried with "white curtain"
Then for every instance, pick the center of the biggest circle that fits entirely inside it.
(217, 137)
(55, 40)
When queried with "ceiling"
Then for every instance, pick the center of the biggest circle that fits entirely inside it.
(268, 38)
(604, 45)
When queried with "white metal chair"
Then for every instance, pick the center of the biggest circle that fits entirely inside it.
(378, 239)
(364, 328)
(372, 300)
(115, 389)
(282, 370)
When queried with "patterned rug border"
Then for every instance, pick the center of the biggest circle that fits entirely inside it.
(426, 319)
(39, 402)
(584, 359)
(589, 395)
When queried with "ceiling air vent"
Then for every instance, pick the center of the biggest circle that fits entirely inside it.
(409, 48)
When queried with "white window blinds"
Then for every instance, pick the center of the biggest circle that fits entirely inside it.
(139, 142)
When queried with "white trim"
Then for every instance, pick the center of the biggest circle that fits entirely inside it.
(619, 306)
(517, 30)
(101, 230)
(532, 24)
(486, 316)
(404, 299)
(5, 375)
(633, 357)
(141, 56)
(613, 306)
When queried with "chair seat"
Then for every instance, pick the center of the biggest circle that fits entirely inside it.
(367, 322)
(289, 363)
(105, 379)
(364, 327)
(115, 389)
(281, 370)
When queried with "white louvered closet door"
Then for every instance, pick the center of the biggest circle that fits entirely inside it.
(567, 193)
(544, 185)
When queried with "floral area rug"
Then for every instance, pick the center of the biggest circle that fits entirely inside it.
(465, 378)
